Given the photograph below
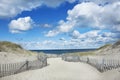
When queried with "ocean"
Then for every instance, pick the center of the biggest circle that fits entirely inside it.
(62, 51)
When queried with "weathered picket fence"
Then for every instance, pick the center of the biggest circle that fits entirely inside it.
(14, 68)
(102, 63)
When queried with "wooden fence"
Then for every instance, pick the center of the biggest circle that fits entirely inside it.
(14, 68)
(102, 63)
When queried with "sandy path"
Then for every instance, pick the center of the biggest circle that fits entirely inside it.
(59, 70)
(112, 74)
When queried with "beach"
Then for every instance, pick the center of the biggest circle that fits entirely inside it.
(58, 69)
(60, 40)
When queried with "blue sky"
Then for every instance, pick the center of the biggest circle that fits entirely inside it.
(55, 24)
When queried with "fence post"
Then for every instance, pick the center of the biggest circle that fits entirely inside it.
(87, 60)
(27, 65)
(103, 64)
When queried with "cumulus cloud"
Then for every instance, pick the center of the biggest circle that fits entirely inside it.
(13, 7)
(75, 34)
(91, 34)
(92, 15)
(63, 27)
(94, 38)
(52, 33)
(77, 40)
(10, 8)
(89, 14)
(20, 25)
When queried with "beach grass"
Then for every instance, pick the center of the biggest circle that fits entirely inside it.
(105, 46)
(89, 53)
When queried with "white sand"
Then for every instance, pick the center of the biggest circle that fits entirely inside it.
(112, 74)
(59, 70)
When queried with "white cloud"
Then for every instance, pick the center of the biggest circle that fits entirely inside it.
(10, 8)
(100, 1)
(91, 34)
(21, 24)
(55, 3)
(52, 33)
(90, 39)
(94, 38)
(65, 26)
(109, 34)
(13, 7)
(91, 15)
(47, 25)
(75, 34)
(46, 44)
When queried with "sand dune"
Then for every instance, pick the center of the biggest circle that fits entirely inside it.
(59, 70)
(6, 57)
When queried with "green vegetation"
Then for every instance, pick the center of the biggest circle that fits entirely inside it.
(5, 45)
(105, 46)
(9, 44)
(82, 53)
(86, 53)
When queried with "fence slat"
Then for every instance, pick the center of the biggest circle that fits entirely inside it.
(14, 68)
(102, 63)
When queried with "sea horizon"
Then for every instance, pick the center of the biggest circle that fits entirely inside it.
(62, 51)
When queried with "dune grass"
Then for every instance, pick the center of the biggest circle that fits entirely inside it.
(82, 53)
(4, 45)
(9, 44)
(105, 46)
